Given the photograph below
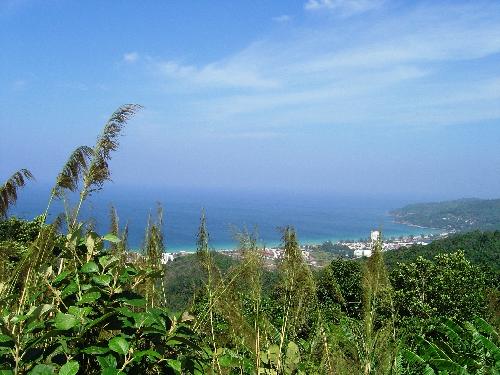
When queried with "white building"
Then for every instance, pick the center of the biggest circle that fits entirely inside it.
(362, 253)
(374, 236)
(167, 257)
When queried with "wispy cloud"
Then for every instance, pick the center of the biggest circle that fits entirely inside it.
(19, 84)
(251, 135)
(130, 57)
(240, 71)
(343, 7)
(397, 70)
(283, 18)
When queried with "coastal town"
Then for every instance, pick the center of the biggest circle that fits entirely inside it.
(317, 255)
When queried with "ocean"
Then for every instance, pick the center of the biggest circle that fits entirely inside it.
(316, 217)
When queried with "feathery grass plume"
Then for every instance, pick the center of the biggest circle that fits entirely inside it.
(297, 290)
(40, 254)
(108, 141)
(118, 249)
(114, 228)
(206, 261)
(98, 169)
(69, 177)
(123, 245)
(251, 285)
(9, 190)
(73, 170)
(153, 250)
(202, 240)
(370, 345)
(238, 298)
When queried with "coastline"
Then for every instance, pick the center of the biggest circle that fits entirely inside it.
(307, 241)
(402, 222)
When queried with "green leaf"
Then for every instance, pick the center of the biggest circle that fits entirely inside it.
(60, 277)
(95, 350)
(5, 338)
(70, 289)
(111, 238)
(107, 362)
(89, 298)
(40, 310)
(490, 346)
(125, 311)
(42, 370)
(175, 365)
(136, 302)
(119, 345)
(65, 321)
(273, 354)
(412, 357)
(146, 353)
(70, 368)
(109, 371)
(292, 358)
(446, 365)
(102, 280)
(106, 260)
(79, 312)
(227, 360)
(89, 267)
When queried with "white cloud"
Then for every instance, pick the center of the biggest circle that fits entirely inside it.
(282, 18)
(19, 85)
(130, 57)
(236, 72)
(343, 7)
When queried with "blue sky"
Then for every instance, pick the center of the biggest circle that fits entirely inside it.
(358, 96)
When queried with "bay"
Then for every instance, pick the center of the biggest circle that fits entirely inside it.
(317, 217)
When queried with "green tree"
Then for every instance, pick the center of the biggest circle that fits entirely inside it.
(449, 286)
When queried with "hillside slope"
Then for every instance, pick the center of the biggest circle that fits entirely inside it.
(462, 214)
(481, 248)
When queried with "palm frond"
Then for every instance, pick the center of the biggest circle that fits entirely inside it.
(9, 190)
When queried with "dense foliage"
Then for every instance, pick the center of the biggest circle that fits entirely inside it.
(481, 248)
(184, 278)
(336, 249)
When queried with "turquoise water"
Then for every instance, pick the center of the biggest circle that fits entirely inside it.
(316, 217)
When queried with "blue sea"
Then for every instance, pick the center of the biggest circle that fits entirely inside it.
(317, 217)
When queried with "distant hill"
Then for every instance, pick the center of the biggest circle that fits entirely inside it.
(460, 215)
(481, 248)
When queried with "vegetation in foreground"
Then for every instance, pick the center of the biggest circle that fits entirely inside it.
(73, 301)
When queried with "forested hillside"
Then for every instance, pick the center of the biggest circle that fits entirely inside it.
(462, 214)
(481, 248)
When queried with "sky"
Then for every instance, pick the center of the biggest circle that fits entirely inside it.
(347, 96)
